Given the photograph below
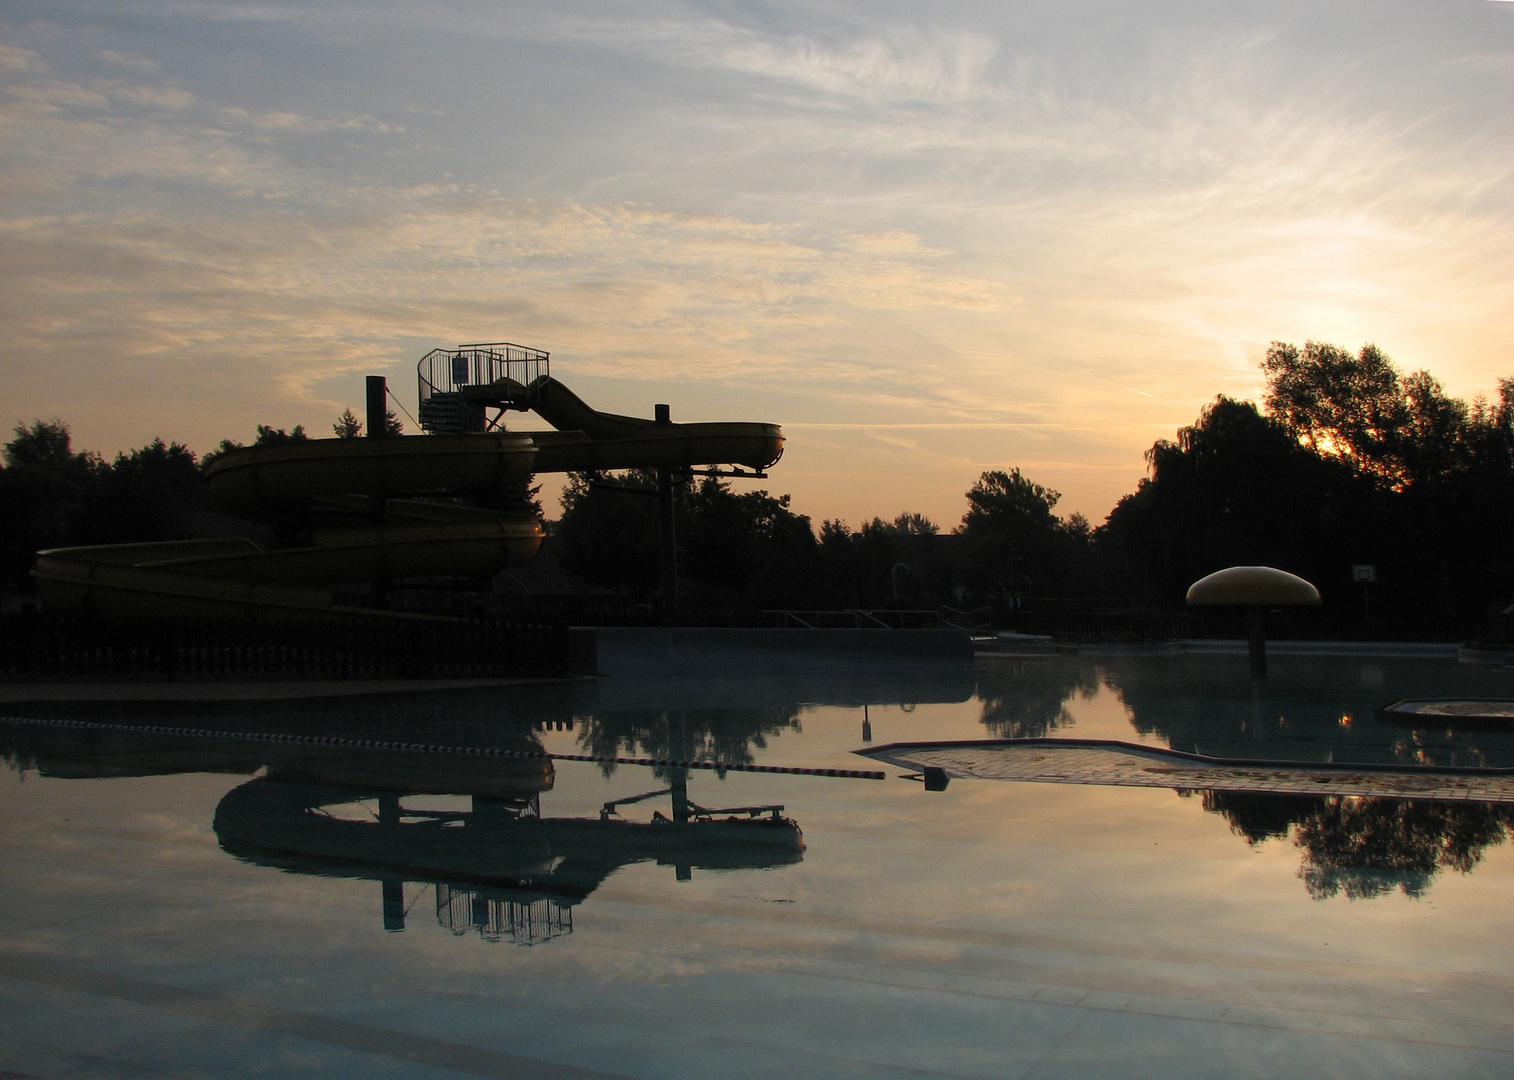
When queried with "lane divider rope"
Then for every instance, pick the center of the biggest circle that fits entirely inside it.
(430, 748)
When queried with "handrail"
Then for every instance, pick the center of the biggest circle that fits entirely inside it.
(975, 622)
(447, 379)
(858, 618)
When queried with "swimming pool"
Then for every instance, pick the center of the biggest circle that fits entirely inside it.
(230, 906)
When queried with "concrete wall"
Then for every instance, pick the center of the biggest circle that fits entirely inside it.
(710, 651)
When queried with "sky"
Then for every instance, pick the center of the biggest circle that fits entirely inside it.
(929, 240)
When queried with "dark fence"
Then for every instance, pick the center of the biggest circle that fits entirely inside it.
(38, 648)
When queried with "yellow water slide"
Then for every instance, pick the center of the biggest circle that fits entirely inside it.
(384, 509)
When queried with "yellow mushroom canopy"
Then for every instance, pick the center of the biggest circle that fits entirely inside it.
(1252, 585)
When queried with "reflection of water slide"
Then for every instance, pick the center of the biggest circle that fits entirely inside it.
(362, 510)
(497, 866)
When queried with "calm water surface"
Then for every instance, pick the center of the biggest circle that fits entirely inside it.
(222, 907)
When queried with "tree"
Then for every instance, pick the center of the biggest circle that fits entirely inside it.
(1446, 468)
(43, 444)
(912, 524)
(1338, 404)
(347, 426)
(608, 537)
(736, 550)
(744, 549)
(144, 494)
(51, 496)
(1016, 544)
(46, 491)
(1401, 430)
(1009, 502)
(271, 436)
(1235, 488)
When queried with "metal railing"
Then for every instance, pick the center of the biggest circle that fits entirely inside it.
(524, 921)
(32, 647)
(978, 622)
(855, 619)
(444, 375)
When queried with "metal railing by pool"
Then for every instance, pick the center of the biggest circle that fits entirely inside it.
(32, 647)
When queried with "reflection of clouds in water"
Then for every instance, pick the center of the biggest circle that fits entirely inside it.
(1209, 706)
(1027, 700)
(1366, 848)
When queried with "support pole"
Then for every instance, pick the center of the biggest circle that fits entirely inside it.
(1256, 639)
(378, 402)
(394, 904)
(667, 532)
(378, 504)
(393, 888)
(683, 869)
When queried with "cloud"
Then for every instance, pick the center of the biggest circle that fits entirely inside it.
(900, 64)
(14, 59)
(923, 223)
(294, 299)
(130, 61)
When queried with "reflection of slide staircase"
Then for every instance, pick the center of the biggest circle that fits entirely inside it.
(499, 867)
(370, 511)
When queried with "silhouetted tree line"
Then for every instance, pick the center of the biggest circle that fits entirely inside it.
(51, 496)
(749, 549)
(1346, 462)
(54, 496)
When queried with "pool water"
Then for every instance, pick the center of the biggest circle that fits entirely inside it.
(223, 906)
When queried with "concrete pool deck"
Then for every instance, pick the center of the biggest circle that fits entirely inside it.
(1016, 645)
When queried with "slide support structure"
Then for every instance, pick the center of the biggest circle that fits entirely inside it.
(667, 524)
(378, 504)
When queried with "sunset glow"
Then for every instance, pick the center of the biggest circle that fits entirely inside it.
(928, 242)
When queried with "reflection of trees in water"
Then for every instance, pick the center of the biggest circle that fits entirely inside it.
(724, 735)
(1363, 847)
(1319, 709)
(1027, 699)
(1212, 706)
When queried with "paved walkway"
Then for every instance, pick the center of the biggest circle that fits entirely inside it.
(1127, 765)
(1465, 709)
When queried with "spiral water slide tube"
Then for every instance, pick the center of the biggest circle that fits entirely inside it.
(364, 510)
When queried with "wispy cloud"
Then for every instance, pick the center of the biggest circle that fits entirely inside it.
(933, 241)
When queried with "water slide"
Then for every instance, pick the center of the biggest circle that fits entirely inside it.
(366, 510)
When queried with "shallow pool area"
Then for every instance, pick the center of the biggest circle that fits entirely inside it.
(200, 888)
